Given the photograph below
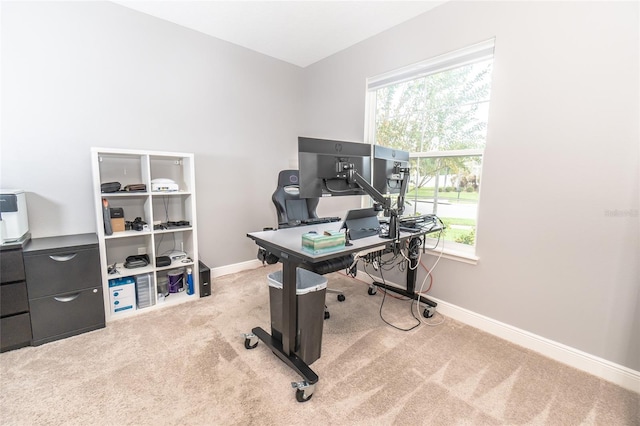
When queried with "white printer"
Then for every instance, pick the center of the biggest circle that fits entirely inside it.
(14, 223)
(163, 185)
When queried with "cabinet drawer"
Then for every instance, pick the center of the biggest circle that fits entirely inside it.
(11, 267)
(13, 299)
(64, 315)
(61, 272)
(16, 332)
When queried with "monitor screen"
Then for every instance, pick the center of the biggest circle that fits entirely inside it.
(386, 179)
(321, 163)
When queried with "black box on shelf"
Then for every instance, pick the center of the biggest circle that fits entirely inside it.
(116, 213)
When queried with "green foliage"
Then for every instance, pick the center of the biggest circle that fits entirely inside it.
(468, 238)
(437, 112)
(434, 113)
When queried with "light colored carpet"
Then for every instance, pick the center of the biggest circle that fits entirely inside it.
(187, 365)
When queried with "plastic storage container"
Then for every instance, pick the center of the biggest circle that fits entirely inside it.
(311, 289)
(145, 295)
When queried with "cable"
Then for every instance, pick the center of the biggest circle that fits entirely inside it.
(387, 322)
(412, 247)
(430, 274)
(337, 191)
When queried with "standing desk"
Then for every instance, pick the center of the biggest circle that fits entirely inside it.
(287, 245)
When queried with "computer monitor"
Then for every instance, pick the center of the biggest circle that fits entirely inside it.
(386, 176)
(322, 163)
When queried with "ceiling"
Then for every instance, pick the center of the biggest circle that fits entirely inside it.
(299, 32)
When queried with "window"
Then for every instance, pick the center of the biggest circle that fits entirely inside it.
(438, 111)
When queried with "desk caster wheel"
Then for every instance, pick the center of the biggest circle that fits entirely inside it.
(250, 341)
(304, 391)
(372, 290)
(341, 298)
(428, 312)
(301, 397)
(327, 315)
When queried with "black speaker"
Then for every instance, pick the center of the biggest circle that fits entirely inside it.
(205, 280)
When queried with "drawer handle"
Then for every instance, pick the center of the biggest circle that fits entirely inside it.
(67, 298)
(63, 258)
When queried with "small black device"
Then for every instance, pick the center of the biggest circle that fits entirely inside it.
(136, 187)
(136, 261)
(110, 187)
(205, 280)
(136, 225)
(163, 261)
(178, 223)
(116, 213)
(267, 257)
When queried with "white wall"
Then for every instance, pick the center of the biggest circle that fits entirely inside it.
(564, 114)
(83, 74)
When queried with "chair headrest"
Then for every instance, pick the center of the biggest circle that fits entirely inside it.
(288, 177)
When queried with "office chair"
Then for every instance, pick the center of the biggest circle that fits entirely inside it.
(291, 210)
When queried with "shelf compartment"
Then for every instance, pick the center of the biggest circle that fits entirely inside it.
(118, 249)
(172, 207)
(176, 168)
(127, 169)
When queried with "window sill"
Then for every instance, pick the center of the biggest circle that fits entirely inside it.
(452, 251)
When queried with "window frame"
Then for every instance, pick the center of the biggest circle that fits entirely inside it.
(472, 54)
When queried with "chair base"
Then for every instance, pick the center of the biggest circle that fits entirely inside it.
(341, 298)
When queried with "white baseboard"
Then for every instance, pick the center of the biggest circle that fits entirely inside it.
(236, 267)
(599, 367)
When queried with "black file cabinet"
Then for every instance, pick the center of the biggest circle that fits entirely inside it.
(15, 322)
(64, 286)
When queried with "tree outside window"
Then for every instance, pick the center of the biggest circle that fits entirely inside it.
(440, 116)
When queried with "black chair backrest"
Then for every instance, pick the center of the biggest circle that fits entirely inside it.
(292, 209)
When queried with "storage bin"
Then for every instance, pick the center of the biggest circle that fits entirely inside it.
(310, 299)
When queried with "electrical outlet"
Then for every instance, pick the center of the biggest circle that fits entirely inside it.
(142, 250)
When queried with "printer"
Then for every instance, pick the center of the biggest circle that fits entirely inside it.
(14, 223)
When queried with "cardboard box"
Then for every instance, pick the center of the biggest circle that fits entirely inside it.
(122, 294)
(117, 224)
(327, 242)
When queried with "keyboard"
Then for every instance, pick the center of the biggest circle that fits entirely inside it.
(316, 220)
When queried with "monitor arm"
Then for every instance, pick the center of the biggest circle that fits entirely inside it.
(403, 186)
(353, 177)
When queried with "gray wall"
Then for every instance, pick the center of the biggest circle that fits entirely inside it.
(83, 74)
(562, 155)
(562, 148)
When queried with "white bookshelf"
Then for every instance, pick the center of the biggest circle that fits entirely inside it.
(134, 167)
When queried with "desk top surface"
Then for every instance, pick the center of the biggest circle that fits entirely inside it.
(289, 240)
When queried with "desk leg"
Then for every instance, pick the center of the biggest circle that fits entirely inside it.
(412, 274)
(289, 306)
(285, 348)
(292, 360)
